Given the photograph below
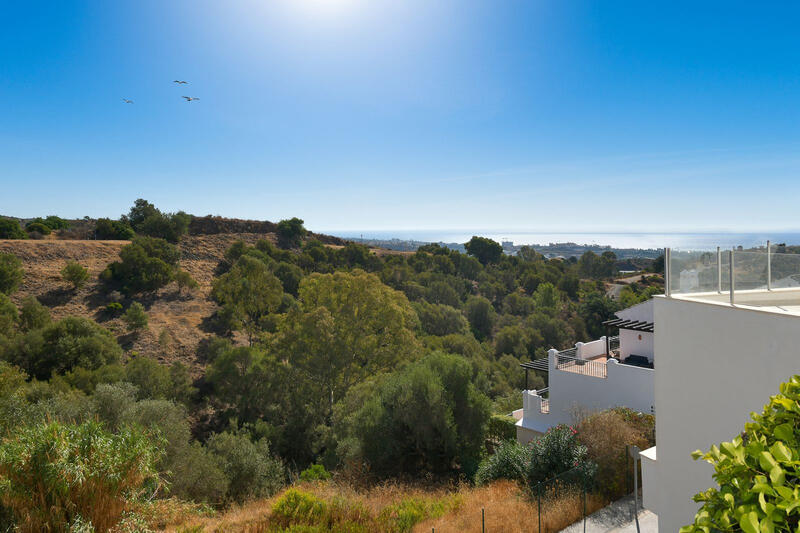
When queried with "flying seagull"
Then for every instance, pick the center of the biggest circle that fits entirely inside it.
(180, 82)
(190, 98)
(127, 101)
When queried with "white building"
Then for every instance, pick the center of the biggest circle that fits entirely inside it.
(721, 354)
(608, 372)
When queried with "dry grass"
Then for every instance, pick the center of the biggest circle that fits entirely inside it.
(507, 508)
(510, 510)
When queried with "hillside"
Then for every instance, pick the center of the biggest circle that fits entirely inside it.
(182, 316)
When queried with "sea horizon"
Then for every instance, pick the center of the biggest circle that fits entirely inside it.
(631, 240)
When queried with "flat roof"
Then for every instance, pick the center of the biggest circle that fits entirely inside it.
(784, 301)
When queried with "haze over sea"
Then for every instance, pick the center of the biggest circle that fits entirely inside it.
(679, 241)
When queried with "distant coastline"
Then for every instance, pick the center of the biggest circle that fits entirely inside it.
(567, 244)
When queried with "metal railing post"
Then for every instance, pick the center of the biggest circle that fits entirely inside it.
(667, 273)
(732, 290)
(539, 501)
(719, 270)
(769, 267)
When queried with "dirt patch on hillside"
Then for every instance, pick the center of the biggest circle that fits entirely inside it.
(183, 317)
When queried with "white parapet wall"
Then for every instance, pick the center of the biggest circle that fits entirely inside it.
(574, 393)
(587, 350)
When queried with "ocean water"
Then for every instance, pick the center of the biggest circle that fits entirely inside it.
(678, 241)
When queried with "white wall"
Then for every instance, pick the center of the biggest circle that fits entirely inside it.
(716, 364)
(587, 350)
(627, 386)
(629, 343)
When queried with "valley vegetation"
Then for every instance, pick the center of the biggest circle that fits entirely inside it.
(314, 357)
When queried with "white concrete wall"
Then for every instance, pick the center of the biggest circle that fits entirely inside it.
(716, 364)
(650, 483)
(587, 350)
(631, 343)
(642, 312)
(627, 386)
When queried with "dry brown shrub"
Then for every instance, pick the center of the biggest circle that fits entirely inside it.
(606, 435)
(508, 509)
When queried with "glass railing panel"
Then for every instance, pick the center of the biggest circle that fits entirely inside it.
(750, 270)
(693, 271)
(785, 270)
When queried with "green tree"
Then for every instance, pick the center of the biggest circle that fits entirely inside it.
(141, 211)
(248, 293)
(11, 273)
(250, 466)
(546, 297)
(74, 274)
(348, 326)
(147, 264)
(8, 317)
(594, 309)
(107, 229)
(756, 472)
(481, 316)
(439, 319)
(38, 227)
(484, 250)
(426, 417)
(135, 317)
(33, 315)
(10, 229)
(290, 233)
(63, 345)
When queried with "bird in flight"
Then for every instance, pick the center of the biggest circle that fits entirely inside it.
(127, 101)
(180, 82)
(190, 98)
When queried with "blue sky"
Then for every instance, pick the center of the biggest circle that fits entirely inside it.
(375, 115)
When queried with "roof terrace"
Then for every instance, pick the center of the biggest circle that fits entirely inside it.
(767, 279)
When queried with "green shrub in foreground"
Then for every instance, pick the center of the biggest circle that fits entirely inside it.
(52, 473)
(510, 460)
(315, 473)
(756, 472)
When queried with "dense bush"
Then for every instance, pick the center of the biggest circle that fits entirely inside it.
(63, 345)
(315, 473)
(556, 452)
(10, 229)
(11, 273)
(51, 474)
(107, 229)
(147, 264)
(135, 317)
(252, 470)
(33, 315)
(428, 416)
(290, 233)
(8, 316)
(511, 460)
(606, 436)
(756, 472)
(501, 428)
(38, 227)
(74, 274)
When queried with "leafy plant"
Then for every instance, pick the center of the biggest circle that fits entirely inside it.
(50, 474)
(511, 460)
(135, 317)
(315, 473)
(759, 484)
(558, 451)
(10, 273)
(74, 274)
(10, 229)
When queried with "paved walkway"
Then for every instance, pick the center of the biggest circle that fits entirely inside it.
(617, 518)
